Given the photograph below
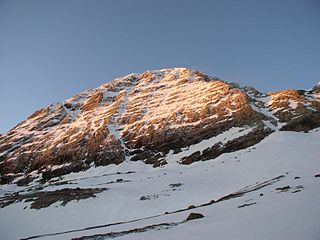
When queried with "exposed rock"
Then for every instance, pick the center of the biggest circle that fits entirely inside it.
(145, 198)
(246, 205)
(25, 181)
(240, 143)
(193, 216)
(303, 123)
(111, 235)
(295, 191)
(77, 167)
(93, 101)
(6, 178)
(45, 199)
(175, 185)
(283, 189)
(299, 111)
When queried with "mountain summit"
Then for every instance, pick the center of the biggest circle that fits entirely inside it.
(158, 117)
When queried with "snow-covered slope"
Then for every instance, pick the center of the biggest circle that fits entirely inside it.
(268, 191)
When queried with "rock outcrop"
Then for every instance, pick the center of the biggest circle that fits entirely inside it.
(151, 117)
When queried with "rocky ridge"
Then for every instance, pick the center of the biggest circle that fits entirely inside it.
(158, 117)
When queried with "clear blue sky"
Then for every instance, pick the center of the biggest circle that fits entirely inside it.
(50, 50)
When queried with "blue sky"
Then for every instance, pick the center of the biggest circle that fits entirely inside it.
(50, 50)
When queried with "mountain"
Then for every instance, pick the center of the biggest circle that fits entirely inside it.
(142, 156)
(149, 117)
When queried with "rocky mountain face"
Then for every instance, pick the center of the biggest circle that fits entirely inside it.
(158, 117)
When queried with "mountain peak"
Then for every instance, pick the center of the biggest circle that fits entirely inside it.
(152, 117)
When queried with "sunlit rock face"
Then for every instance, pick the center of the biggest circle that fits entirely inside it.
(151, 117)
(298, 110)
